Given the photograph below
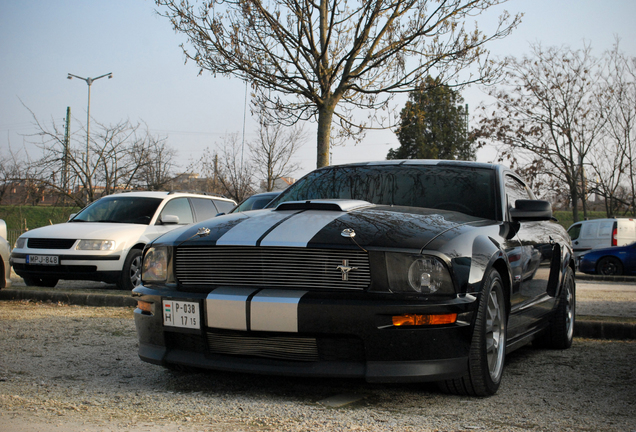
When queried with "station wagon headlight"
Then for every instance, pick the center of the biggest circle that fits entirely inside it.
(418, 273)
(99, 245)
(20, 243)
(155, 266)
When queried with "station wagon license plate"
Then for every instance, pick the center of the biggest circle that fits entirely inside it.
(43, 259)
(181, 314)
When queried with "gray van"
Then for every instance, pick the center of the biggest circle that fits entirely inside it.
(600, 233)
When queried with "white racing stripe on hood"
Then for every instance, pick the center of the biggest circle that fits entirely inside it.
(251, 229)
(300, 229)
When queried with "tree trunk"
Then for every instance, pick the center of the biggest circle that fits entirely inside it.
(574, 194)
(325, 116)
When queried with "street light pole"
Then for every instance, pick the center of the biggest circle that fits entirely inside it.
(89, 81)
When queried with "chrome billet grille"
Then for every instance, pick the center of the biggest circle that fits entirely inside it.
(276, 347)
(278, 267)
(50, 243)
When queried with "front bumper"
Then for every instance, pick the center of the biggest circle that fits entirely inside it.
(310, 333)
(105, 267)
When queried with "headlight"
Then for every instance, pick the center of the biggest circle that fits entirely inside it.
(155, 266)
(418, 273)
(100, 245)
(20, 243)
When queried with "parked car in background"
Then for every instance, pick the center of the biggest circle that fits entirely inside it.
(392, 271)
(104, 241)
(5, 250)
(612, 261)
(255, 202)
(601, 233)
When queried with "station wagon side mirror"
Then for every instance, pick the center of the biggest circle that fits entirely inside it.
(531, 210)
(169, 219)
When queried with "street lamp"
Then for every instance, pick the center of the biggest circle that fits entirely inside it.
(89, 81)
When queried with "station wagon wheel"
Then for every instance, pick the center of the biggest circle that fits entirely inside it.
(609, 266)
(131, 273)
(488, 347)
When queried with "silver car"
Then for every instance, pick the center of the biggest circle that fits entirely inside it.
(5, 250)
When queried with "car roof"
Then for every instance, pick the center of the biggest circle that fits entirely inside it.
(163, 194)
(441, 162)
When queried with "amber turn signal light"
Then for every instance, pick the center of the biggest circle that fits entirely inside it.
(144, 306)
(418, 320)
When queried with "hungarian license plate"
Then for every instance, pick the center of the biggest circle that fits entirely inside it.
(43, 259)
(181, 314)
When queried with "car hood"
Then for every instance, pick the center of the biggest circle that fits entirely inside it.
(329, 224)
(89, 230)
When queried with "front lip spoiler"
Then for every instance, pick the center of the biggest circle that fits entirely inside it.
(371, 371)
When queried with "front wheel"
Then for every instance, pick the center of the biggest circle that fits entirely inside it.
(609, 266)
(131, 273)
(488, 346)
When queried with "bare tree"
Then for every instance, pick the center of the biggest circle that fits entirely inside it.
(120, 156)
(614, 164)
(548, 111)
(235, 174)
(324, 59)
(272, 152)
(226, 172)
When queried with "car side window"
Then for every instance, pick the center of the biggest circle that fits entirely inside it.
(574, 231)
(224, 206)
(179, 207)
(515, 190)
(204, 208)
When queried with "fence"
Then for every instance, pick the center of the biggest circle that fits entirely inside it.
(12, 236)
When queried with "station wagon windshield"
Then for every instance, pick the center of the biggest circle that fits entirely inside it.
(465, 189)
(133, 210)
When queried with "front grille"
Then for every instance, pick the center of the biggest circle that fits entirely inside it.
(275, 347)
(285, 347)
(50, 243)
(272, 266)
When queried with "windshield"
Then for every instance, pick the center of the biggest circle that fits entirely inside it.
(254, 202)
(465, 189)
(120, 209)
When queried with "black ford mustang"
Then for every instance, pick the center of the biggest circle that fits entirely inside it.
(393, 271)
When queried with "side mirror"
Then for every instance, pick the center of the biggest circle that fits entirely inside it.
(3, 229)
(72, 215)
(169, 219)
(531, 210)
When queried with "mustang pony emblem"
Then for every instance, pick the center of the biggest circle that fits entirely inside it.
(345, 269)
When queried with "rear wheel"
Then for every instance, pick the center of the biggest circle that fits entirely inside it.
(41, 282)
(609, 266)
(488, 346)
(560, 331)
(131, 273)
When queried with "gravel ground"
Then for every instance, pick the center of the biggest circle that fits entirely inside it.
(75, 368)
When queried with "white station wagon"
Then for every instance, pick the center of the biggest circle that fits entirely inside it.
(104, 241)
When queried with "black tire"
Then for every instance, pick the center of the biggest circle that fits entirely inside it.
(560, 331)
(131, 273)
(488, 347)
(609, 266)
(40, 282)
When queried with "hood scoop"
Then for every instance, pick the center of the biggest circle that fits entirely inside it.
(340, 205)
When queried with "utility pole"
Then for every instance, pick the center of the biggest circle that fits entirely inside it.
(67, 150)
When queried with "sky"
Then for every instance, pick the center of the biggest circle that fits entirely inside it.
(42, 41)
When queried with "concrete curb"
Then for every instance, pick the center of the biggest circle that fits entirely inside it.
(597, 329)
(83, 299)
(585, 328)
(601, 278)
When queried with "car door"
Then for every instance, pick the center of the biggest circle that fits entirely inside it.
(538, 256)
(179, 207)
